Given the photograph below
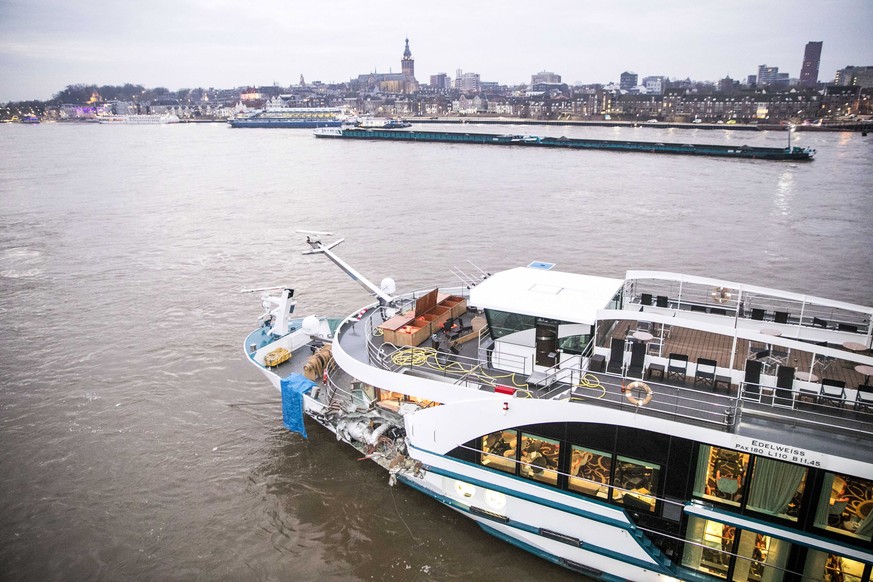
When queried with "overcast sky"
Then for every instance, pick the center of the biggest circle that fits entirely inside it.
(46, 45)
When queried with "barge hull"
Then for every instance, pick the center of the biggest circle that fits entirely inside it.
(743, 152)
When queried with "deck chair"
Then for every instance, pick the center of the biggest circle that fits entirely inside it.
(646, 299)
(847, 327)
(784, 393)
(698, 308)
(705, 372)
(616, 356)
(750, 389)
(758, 314)
(638, 360)
(832, 392)
(864, 398)
(677, 366)
(818, 322)
(662, 301)
(780, 317)
(718, 311)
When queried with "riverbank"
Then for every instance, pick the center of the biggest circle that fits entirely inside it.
(855, 126)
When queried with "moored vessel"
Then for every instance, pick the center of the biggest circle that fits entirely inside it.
(292, 117)
(724, 151)
(660, 426)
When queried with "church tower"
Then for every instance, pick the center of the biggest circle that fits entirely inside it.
(407, 64)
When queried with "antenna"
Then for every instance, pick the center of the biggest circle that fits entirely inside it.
(319, 247)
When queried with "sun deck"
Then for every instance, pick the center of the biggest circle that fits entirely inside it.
(799, 417)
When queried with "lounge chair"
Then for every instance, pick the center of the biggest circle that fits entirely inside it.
(677, 366)
(616, 356)
(705, 372)
(638, 360)
(832, 392)
(750, 389)
(784, 393)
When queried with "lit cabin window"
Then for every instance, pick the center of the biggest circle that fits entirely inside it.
(499, 450)
(635, 484)
(539, 458)
(589, 472)
(845, 506)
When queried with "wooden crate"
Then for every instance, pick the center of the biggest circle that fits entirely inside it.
(458, 305)
(412, 334)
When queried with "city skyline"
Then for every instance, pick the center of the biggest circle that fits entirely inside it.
(46, 45)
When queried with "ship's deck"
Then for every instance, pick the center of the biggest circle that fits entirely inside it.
(805, 423)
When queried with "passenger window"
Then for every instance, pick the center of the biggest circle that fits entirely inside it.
(845, 506)
(589, 472)
(499, 450)
(776, 488)
(635, 484)
(825, 566)
(539, 458)
(720, 474)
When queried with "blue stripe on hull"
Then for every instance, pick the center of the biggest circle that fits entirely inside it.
(531, 529)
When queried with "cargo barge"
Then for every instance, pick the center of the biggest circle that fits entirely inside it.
(743, 151)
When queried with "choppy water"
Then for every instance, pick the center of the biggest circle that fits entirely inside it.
(124, 452)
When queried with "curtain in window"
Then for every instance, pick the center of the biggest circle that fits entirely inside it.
(774, 485)
(824, 502)
(702, 473)
(865, 530)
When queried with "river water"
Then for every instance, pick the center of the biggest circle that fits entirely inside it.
(135, 439)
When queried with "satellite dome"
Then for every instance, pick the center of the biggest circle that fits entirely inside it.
(310, 325)
(388, 286)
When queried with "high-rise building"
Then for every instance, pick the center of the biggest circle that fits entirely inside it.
(627, 81)
(811, 61)
(440, 81)
(545, 77)
(767, 75)
(855, 76)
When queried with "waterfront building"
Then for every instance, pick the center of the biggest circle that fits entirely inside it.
(654, 85)
(855, 76)
(627, 81)
(811, 61)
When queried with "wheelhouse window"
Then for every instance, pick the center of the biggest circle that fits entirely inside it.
(845, 506)
(776, 488)
(503, 323)
(499, 450)
(833, 567)
(635, 483)
(589, 471)
(720, 474)
(539, 458)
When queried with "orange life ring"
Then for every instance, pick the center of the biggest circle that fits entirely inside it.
(324, 378)
(638, 393)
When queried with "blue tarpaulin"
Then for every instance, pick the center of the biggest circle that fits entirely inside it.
(293, 388)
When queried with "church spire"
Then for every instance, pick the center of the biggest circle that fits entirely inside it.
(407, 54)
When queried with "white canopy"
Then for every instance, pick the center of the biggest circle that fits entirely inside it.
(551, 294)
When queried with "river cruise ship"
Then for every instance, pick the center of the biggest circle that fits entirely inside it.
(292, 117)
(656, 427)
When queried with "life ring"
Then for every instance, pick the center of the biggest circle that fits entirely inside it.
(638, 393)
